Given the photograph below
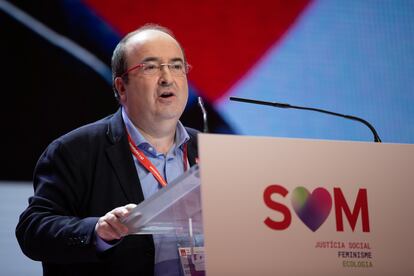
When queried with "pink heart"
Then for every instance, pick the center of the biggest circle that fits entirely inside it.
(313, 209)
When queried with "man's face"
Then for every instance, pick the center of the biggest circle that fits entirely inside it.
(151, 99)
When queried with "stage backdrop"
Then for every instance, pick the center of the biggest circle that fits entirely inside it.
(353, 57)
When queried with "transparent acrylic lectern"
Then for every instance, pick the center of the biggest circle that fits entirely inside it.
(175, 209)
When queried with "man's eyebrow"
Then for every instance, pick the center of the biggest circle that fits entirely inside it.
(156, 59)
(177, 59)
(147, 59)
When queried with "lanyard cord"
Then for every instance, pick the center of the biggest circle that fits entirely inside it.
(148, 164)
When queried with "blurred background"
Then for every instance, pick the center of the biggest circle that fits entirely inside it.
(352, 57)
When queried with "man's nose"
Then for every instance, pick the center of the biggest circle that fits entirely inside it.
(165, 75)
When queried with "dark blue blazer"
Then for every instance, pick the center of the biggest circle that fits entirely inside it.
(80, 177)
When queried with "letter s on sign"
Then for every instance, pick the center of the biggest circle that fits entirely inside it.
(267, 197)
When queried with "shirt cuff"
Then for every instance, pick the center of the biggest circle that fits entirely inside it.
(102, 245)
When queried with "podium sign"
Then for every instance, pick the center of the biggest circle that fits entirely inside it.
(275, 206)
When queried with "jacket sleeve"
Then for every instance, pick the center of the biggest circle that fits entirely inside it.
(53, 227)
(192, 146)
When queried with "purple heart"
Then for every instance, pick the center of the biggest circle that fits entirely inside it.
(313, 209)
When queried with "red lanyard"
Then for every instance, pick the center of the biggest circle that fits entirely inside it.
(148, 164)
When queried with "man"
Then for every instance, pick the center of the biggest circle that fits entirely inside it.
(89, 179)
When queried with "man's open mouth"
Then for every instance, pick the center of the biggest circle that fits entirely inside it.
(167, 95)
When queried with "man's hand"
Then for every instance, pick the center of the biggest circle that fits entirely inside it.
(109, 227)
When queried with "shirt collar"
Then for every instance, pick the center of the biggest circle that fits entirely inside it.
(181, 135)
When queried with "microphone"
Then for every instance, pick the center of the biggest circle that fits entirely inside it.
(284, 105)
(203, 110)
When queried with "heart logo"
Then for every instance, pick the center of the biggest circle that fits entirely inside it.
(313, 209)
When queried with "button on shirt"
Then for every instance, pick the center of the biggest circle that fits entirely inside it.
(169, 166)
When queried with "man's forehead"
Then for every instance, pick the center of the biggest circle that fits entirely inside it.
(151, 36)
(149, 39)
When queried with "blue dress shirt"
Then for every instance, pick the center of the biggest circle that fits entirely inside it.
(170, 166)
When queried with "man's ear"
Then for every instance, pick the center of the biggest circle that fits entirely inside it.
(120, 88)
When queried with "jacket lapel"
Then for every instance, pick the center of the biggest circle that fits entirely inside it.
(121, 159)
(192, 146)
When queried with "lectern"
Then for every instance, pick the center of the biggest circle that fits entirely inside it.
(279, 206)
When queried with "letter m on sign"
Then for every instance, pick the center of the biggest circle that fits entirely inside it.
(361, 207)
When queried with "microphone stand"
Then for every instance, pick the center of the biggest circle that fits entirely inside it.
(204, 111)
(283, 105)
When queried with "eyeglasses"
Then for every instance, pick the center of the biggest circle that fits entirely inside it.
(152, 68)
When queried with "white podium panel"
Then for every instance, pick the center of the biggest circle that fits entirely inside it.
(306, 207)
